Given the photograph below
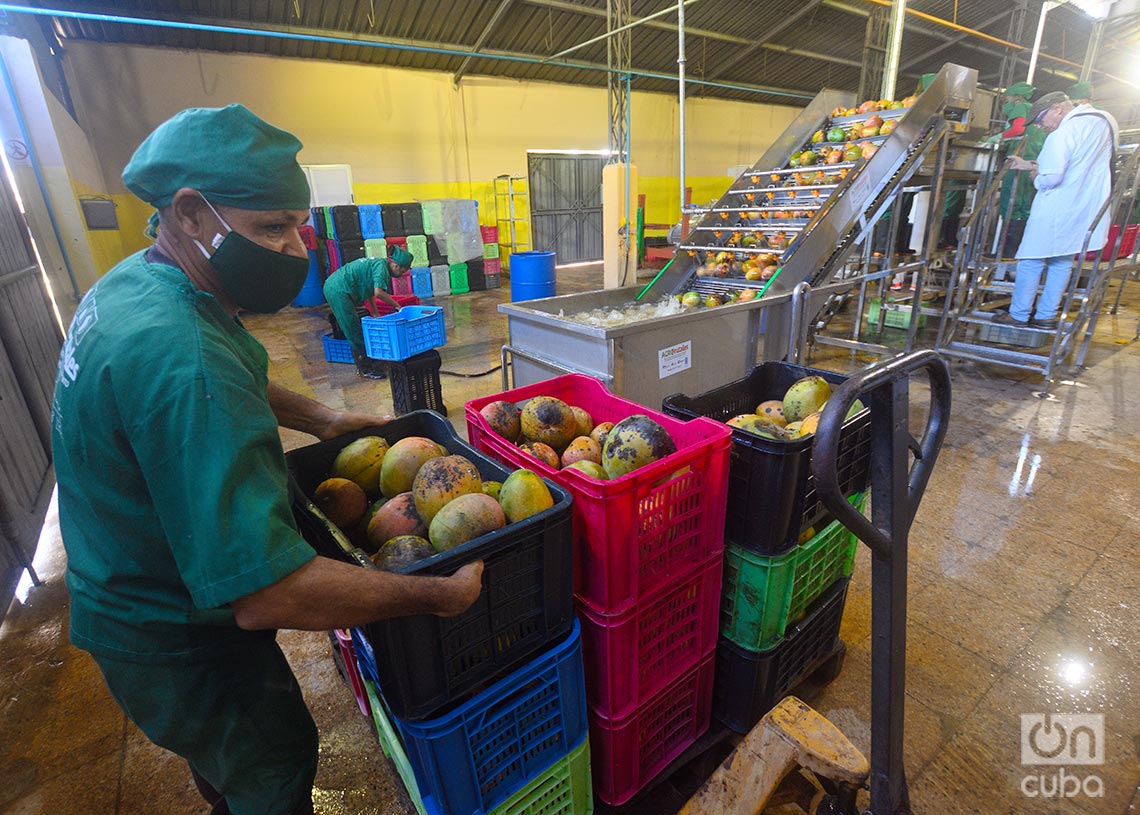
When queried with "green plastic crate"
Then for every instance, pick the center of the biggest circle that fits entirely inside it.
(490, 250)
(375, 248)
(763, 595)
(896, 317)
(458, 274)
(566, 788)
(392, 747)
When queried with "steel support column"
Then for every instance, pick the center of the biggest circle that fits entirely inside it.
(894, 49)
(618, 57)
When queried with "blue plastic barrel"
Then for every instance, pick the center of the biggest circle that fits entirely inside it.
(532, 275)
(312, 293)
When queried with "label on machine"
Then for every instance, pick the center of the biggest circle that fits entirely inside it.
(674, 359)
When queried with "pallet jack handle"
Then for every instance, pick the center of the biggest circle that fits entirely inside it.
(897, 485)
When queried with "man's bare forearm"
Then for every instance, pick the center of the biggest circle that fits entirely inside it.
(299, 412)
(325, 594)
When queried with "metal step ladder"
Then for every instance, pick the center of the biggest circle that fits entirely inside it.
(967, 331)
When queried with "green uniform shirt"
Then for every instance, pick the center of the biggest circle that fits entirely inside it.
(359, 279)
(350, 287)
(172, 482)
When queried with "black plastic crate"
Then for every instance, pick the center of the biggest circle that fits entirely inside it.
(413, 219)
(436, 255)
(415, 384)
(323, 258)
(771, 491)
(319, 224)
(749, 683)
(426, 663)
(476, 279)
(392, 219)
(346, 219)
(350, 250)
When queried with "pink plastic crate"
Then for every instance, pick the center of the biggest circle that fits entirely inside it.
(344, 640)
(1127, 243)
(492, 266)
(393, 242)
(490, 234)
(633, 655)
(403, 286)
(645, 529)
(378, 308)
(628, 753)
(308, 236)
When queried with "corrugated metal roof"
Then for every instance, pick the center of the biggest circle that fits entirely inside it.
(531, 30)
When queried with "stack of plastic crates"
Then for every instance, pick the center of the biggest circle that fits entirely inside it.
(484, 712)
(648, 552)
(415, 384)
(787, 561)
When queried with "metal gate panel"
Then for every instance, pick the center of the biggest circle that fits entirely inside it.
(29, 350)
(566, 204)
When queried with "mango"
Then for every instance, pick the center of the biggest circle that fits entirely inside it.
(583, 421)
(543, 452)
(442, 480)
(524, 494)
(360, 461)
(492, 488)
(396, 518)
(589, 468)
(773, 410)
(550, 421)
(809, 425)
(403, 461)
(600, 431)
(759, 426)
(805, 397)
(464, 519)
(582, 448)
(341, 501)
(402, 551)
(635, 442)
(503, 418)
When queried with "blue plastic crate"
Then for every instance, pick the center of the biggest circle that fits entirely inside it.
(475, 757)
(410, 331)
(371, 225)
(337, 350)
(421, 282)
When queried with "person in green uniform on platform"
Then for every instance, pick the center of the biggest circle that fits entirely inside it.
(1017, 131)
(183, 557)
(354, 284)
(1080, 93)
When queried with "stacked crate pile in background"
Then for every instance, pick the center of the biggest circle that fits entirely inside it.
(786, 561)
(484, 712)
(492, 269)
(648, 550)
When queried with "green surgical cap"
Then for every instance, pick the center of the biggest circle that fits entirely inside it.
(228, 154)
(1023, 89)
(1082, 90)
(401, 257)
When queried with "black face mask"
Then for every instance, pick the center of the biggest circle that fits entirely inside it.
(256, 278)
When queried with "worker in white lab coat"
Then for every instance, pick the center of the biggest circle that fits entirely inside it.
(1073, 178)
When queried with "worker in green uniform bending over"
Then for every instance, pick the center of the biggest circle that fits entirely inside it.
(183, 555)
(351, 286)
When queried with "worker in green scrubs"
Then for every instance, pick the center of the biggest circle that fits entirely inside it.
(183, 555)
(1017, 131)
(354, 284)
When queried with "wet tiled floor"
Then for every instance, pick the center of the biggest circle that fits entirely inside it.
(1024, 598)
